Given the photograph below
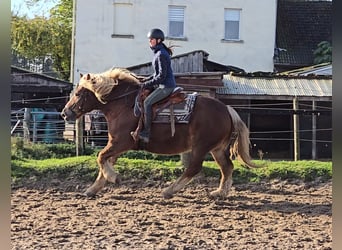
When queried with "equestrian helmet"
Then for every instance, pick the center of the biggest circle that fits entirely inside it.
(156, 34)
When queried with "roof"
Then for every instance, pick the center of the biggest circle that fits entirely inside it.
(276, 86)
(301, 26)
(31, 89)
(193, 61)
(315, 70)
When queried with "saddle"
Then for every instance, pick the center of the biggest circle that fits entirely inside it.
(177, 96)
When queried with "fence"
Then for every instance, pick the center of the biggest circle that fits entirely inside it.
(37, 126)
(49, 127)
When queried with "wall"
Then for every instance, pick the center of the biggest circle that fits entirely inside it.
(96, 50)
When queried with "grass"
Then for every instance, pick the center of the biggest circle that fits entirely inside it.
(85, 168)
(51, 161)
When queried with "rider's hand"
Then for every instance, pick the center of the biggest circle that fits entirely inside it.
(143, 79)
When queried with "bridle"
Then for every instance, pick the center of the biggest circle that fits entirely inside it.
(82, 99)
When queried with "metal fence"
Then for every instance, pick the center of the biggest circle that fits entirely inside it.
(38, 125)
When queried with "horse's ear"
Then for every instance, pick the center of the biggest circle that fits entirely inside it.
(81, 75)
(88, 77)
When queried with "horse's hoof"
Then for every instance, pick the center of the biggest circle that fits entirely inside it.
(89, 194)
(115, 179)
(167, 195)
(217, 194)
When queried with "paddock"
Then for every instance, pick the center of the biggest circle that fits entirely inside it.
(272, 215)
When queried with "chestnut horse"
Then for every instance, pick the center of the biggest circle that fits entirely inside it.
(210, 130)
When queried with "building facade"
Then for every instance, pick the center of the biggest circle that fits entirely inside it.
(112, 33)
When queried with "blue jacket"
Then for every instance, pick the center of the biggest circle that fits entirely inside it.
(163, 73)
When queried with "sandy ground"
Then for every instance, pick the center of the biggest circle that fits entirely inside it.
(272, 215)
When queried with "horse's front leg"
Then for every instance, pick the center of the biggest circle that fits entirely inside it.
(97, 185)
(108, 168)
(105, 161)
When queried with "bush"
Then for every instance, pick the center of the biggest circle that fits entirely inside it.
(40, 151)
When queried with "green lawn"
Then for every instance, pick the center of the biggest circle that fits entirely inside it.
(56, 161)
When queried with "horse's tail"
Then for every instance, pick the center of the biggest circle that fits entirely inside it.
(241, 145)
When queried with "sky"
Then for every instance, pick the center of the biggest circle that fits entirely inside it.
(21, 8)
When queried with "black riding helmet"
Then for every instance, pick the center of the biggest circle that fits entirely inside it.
(156, 34)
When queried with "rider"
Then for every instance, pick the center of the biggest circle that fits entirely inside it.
(161, 83)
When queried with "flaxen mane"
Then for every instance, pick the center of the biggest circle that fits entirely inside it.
(102, 84)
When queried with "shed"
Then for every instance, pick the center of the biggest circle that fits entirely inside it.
(193, 71)
(289, 116)
(35, 90)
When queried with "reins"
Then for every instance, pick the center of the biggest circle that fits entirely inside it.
(124, 94)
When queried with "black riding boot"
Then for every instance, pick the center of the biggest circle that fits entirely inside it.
(144, 135)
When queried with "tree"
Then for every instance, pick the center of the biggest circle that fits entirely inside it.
(45, 36)
(323, 53)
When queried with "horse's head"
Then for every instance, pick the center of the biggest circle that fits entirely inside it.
(95, 89)
(82, 101)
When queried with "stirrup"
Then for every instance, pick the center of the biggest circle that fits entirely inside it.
(144, 137)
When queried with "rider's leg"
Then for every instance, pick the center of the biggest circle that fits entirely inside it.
(157, 95)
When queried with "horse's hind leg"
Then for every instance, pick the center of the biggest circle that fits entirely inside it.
(226, 167)
(194, 167)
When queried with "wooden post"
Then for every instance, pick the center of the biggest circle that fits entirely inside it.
(34, 129)
(314, 127)
(26, 124)
(79, 136)
(296, 130)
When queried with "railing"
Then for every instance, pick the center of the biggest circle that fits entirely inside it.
(49, 127)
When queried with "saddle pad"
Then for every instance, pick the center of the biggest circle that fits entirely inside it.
(182, 111)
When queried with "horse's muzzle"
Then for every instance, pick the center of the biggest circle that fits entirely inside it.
(68, 115)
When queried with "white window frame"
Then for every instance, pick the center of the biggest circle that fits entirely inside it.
(123, 18)
(232, 24)
(176, 16)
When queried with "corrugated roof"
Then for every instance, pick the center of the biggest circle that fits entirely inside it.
(318, 70)
(274, 86)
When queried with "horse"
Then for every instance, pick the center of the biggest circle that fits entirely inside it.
(214, 128)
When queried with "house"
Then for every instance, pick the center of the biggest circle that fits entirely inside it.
(112, 33)
(301, 26)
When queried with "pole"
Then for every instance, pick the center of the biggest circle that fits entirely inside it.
(79, 125)
(26, 124)
(295, 130)
(314, 132)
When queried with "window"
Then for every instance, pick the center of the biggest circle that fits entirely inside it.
(123, 20)
(176, 21)
(232, 24)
